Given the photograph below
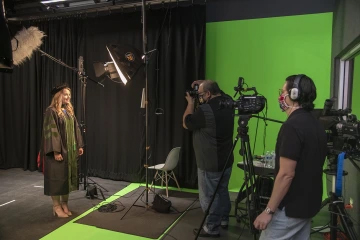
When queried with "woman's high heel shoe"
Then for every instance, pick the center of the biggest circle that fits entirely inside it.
(65, 207)
(58, 211)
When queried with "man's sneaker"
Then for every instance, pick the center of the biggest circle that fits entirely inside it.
(224, 225)
(205, 234)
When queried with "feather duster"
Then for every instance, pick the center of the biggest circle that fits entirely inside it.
(25, 42)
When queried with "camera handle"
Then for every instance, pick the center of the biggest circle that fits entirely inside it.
(245, 151)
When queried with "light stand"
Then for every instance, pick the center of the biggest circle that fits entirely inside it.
(83, 78)
(147, 147)
(91, 192)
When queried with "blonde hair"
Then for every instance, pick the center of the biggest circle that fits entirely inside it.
(56, 103)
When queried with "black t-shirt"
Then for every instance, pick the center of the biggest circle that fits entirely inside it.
(213, 129)
(302, 138)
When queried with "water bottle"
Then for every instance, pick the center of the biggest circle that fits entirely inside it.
(273, 159)
(267, 159)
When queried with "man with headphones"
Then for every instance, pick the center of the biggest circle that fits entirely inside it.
(301, 149)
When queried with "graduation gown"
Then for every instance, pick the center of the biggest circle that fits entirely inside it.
(62, 135)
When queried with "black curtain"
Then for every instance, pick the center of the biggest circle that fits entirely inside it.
(25, 94)
(115, 123)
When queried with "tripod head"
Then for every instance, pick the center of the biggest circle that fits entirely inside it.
(243, 128)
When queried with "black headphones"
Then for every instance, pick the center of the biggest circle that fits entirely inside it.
(295, 92)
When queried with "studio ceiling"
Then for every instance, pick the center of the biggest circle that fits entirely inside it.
(22, 10)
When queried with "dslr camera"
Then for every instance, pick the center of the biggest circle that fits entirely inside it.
(193, 92)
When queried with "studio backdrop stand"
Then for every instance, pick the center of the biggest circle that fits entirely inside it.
(83, 176)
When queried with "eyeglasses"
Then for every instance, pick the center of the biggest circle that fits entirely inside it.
(201, 94)
(281, 91)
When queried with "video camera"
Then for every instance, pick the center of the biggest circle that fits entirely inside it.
(343, 130)
(245, 104)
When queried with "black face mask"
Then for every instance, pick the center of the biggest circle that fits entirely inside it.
(203, 101)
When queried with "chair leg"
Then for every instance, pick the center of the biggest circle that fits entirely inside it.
(172, 172)
(154, 179)
(166, 178)
(162, 178)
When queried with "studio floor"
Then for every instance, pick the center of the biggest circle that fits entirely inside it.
(26, 213)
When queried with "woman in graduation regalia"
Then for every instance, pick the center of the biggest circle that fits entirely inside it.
(61, 145)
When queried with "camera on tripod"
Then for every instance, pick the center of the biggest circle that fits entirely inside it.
(194, 92)
(245, 104)
(343, 133)
(343, 143)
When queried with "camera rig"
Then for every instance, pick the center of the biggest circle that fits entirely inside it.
(245, 104)
(343, 133)
(343, 140)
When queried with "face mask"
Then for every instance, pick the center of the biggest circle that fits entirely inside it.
(283, 105)
(202, 100)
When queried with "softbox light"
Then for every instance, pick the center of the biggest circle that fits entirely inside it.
(106, 68)
(126, 59)
(6, 58)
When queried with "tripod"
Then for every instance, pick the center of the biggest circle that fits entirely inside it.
(245, 152)
(336, 204)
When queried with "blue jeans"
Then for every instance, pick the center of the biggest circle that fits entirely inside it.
(220, 208)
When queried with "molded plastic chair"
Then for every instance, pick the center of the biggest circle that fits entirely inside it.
(166, 169)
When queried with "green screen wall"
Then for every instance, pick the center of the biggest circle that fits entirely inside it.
(265, 51)
(355, 101)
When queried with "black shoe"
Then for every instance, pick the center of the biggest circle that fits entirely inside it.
(205, 234)
(225, 226)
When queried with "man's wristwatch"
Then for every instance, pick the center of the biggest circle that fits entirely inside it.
(268, 211)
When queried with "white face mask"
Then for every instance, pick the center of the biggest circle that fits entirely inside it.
(282, 103)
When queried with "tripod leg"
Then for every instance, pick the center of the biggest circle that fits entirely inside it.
(102, 194)
(325, 202)
(346, 221)
(241, 195)
(133, 204)
(98, 185)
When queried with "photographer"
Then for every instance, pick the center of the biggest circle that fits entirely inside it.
(301, 149)
(212, 129)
